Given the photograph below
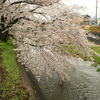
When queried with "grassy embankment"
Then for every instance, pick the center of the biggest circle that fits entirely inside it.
(96, 57)
(11, 87)
(95, 29)
(75, 50)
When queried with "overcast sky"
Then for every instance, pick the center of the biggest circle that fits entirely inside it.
(90, 4)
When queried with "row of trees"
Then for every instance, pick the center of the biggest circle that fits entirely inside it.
(40, 29)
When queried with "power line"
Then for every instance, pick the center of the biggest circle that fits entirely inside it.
(96, 10)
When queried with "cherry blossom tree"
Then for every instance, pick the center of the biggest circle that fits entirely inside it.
(11, 11)
(41, 30)
(40, 45)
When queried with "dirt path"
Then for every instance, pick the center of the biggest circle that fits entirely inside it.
(26, 82)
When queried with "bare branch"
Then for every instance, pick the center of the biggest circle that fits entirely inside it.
(10, 24)
(18, 2)
(34, 9)
(2, 1)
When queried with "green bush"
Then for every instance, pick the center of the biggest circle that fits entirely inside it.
(94, 64)
(96, 58)
(98, 70)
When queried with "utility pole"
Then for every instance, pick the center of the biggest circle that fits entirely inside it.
(96, 10)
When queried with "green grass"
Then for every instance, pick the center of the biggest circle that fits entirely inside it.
(96, 49)
(94, 64)
(72, 49)
(98, 70)
(85, 57)
(75, 51)
(94, 29)
(11, 87)
(96, 57)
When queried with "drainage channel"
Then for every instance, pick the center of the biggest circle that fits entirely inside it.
(31, 84)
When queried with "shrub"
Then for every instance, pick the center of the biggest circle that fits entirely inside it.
(98, 70)
(94, 64)
(95, 29)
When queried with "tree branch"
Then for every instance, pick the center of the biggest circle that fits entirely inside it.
(34, 9)
(2, 1)
(6, 30)
(18, 2)
(10, 24)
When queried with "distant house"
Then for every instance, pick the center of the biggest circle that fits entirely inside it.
(86, 19)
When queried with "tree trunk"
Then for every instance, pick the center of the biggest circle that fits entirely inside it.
(3, 35)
